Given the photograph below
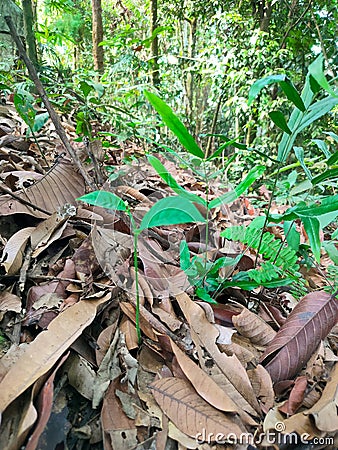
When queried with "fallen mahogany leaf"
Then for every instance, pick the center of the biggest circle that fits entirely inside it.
(190, 413)
(296, 397)
(44, 406)
(309, 322)
(9, 302)
(235, 379)
(60, 186)
(262, 385)
(324, 412)
(206, 387)
(46, 233)
(119, 432)
(14, 250)
(41, 354)
(253, 327)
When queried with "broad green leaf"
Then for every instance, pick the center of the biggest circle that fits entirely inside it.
(279, 120)
(174, 124)
(292, 235)
(299, 152)
(184, 255)
(316, 70)
(171, 211)
(330, 173)
(312, 227)
(40, 121)
(172, 183)
(229, 197)
(258, 85)
(25, 109)
(104, 199)
(85, 88)
(331, 250)
(317, 110)
(202, 294)
(322, 146)
(292, 94)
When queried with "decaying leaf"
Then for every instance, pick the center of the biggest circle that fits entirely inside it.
(253, 327)
(46, 349)
(190, 413)
(309, 322)
(14, 250)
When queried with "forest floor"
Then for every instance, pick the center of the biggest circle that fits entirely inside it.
(72, 372)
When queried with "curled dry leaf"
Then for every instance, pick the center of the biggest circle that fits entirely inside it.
(204, 334)
(60, 186)
(206, 387)
(253, 327)
(9, 302)
(39, 356)
(309, 322)
(14, 250)
(189, 412)
(262, 386)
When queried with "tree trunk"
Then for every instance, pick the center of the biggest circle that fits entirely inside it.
(190, 89)
(29, 31)
(98, 52)
(154, 43)
(263, 10)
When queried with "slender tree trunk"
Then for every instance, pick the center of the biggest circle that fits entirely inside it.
(28, 16)
(191, 54)
(98, 52)
(263, 10)
(154, 43)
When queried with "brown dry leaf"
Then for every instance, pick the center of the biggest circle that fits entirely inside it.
(40, 355)
(324, 412)
(189, 412)
(9, 302)
(309, 322)
(119, 432)
(206, 387)
(296, 397)
(103, 342)
(236, 381)
(47, 232)
(127, 327)
(262, 386)
(14, 250)
(60, 186)
(253, 327)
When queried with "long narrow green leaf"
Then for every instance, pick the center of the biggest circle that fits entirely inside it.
(258, 85)
(104, 199)
(330, 173)
(291, 92)
(174, 124)
(316, 70)
(252, 176)
(171, 211)
(299, 152)
(279, 120)
(172, 183)
(312, 227)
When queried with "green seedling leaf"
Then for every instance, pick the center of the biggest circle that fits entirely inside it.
(184, 255)
(229, 197)
(171, 211)
(292, 235)
(333, 158)
(316, 71)
(104, 199)
(331, 250)
(258, 85)
(315, 87)
(291, 92)
(172, 183)
(299, 152)
(40, 121)
(279, 120)
(85, 88)
(330, 173)
(174, 124)
(312, 227)
(25, 109)
(203, 295)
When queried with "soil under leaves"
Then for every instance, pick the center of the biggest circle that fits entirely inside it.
(249, 372)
